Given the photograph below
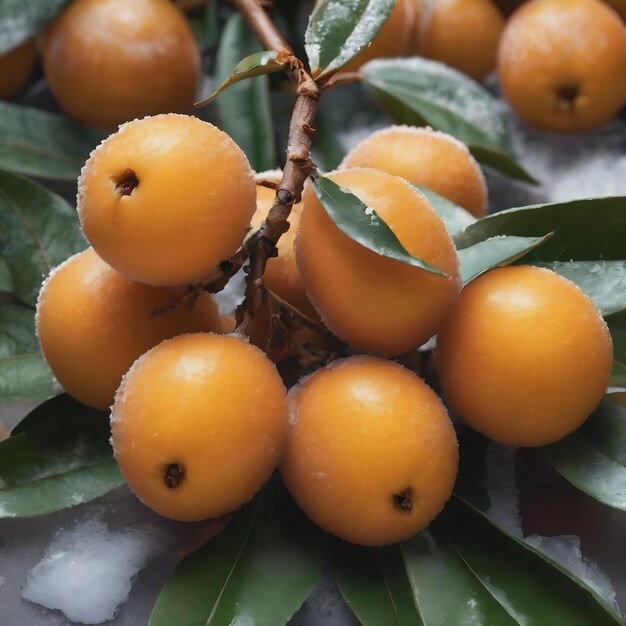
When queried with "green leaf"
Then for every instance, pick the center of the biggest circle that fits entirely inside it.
(24, 374)
(61, 459)
(256, 64)
(21, 19)
(531, 590)
(420, 91)
(374, 583)
(583, 230)
(472, 492)
(340, 29)
(263, 565)
(445, 588)
(593, 458)
(205, 26)
(456, 218)
(362, 224)
(603, 281)
(495, 252)
(38, 230)
(244, 109)
(39, 143)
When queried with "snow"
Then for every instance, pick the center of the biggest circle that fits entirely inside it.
(504, 510)
(228, 299)
(582, 165)
(87, 571)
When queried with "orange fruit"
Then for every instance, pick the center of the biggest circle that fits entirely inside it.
(374, 303)
(93, 323)
(525, 356)
(198, 425)
(111, 61)
(16, 67)
(425, 157)
(562, 64)
(371, 455)
(166, 198)
(463, 34)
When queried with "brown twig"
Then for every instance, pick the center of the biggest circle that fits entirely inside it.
(297, 168)
(342, 78)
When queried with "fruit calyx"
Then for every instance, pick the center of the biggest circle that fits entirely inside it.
(126, 183)
(174, 474)
(404, 500)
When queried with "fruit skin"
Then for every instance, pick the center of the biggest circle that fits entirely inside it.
(463, 34)
(214, 405)
(111, 61)
(525, 356)
(425, 157)
(562, 64)
(16, 67)
(281, 272)
(376, 304)
(362, 431)
(394, 39)
(190, 210)
(93, 323)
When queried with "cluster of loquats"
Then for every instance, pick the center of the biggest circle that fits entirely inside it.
(200, 419)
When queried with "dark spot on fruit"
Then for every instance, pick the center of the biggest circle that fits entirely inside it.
(174, 474)
(404, 500)
(126, 182)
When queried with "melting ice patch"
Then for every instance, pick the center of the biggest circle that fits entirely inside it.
(88, 571)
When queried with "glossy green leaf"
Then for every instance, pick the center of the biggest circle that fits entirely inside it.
(263, 565)
(532, 591)
(471, 490)
(455, 217)
(420, 91)
(38, 230)
(39, 143)
(362, 224)
(22, 19)
(495, 252)
(256, 64)
(62, 459)
(24, 374)
(340, 29)
(244, 109)
(445, 588)
(603, 281)
(583, 230)
(374, 583)
(593, 458)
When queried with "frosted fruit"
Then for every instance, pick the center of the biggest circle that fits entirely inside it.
(525, 356)
(425, 157)
(92, 323)
(562, 64)
(110, 61)
(166, 198)
(463, 34)
(375, 303)
(371, 454)
(199, 424)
